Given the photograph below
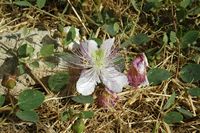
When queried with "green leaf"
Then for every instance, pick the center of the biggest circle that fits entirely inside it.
(194, 92)
(30, 116)
(157, 75)
(78, 126)
(185, 3)
(170, 101)
(35, 64)
(189, 38)
(30, 99)
(87, 114)
(2, 100)
(70, 36)
(139, 39)
(111, 29)
(40, 3)
(190, 73)
(185, 112)
(173, 117)
(65, 116)
(173, 37)
(165, 38)
(21, 69)
(25, 50)
(22, 3)
(47, 50)
(98, 41)
(57, 81)
(83, 99)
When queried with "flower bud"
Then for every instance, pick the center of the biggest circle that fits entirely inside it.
(9, 81)
(137, 75)
(107, 98)
(78, 126)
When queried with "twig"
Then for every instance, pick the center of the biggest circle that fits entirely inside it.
(79, 18)
(35, 78)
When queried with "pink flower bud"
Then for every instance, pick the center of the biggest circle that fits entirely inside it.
(107, 98)
(137, 75)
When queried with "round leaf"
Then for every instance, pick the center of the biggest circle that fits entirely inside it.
(173, 117)
(30, 99)
(157, 75)
(40, 3)
(25, 50)
(185, 3)
(190, 73)
(47, 50)
(83, 99)
(87, 114)
(194, 92)
(58, 81)
(189, 38)
(139, 39)
(112, 29)
(30, 116)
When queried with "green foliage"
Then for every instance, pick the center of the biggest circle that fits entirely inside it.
(173, 37)
(157, 75)
(185, 112)
(173, 117)
(165, 38)
(170, 101)
(185, 3)
(78, 126)
(23, 3)
(27, 115)
(57, 81)
(25, 50)
(2, 100)
(83, 99)
(47, 50)
(98, 41)
(87, 114)
(21, 69)
(70, 36)
(189, 38)
(40, 3)
(112, 29)
(30, 99)
(35, 64)
(66, 115)
(194, 92)
(139, 39)
(190, 73)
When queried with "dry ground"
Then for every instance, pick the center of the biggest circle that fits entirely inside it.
(138, 110)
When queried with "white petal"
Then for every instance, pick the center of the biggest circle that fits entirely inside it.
(88, 47)
(113, 79)
(87, 82)
(107, 46)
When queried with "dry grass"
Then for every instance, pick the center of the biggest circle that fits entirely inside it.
(138, 110)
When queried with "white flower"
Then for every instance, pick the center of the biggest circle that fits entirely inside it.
(99, 67)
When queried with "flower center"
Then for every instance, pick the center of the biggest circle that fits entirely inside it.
(98, 59)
